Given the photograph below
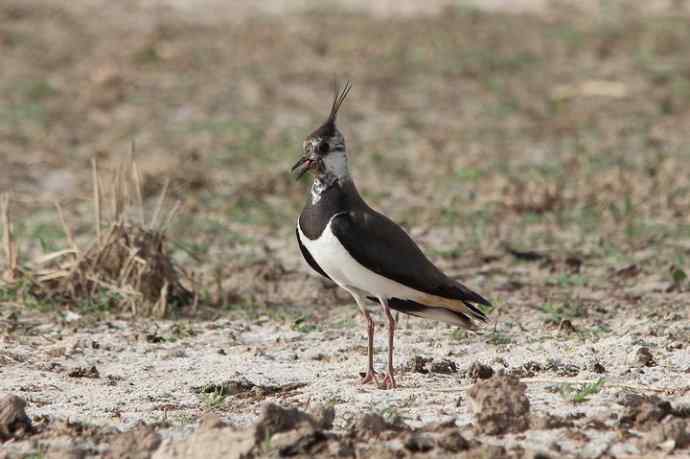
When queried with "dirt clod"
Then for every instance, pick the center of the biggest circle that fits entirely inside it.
(14, 423)
(668, 436)
(549, 421)
(210, 422)
(292, 432)
(84, 372)
(242, 387)
(325, 416)
(275, 419)
(138, 443)
(418, 364)
(644, 357)
(561, 368)
(372, 424)
(419, 443)
(309, 444)
(597, 367)
(566, 327)
(444, 366)
(224, 443)
(633, 400)
(479, 370)
(500, 405)
(526, 370)
(65, 453)
(646, 415)
(487, 452)
(682, 411)
(453, 441)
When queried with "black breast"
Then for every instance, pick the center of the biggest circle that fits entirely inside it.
(339, 197)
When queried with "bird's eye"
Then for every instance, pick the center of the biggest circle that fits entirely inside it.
(324, 147)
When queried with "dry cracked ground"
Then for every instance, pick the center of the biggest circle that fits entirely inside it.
(536, 150)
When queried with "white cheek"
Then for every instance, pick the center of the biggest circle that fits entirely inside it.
(337, 164)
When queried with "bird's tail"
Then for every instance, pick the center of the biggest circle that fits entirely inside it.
(466, 318)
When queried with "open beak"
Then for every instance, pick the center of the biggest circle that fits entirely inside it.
(302, 166)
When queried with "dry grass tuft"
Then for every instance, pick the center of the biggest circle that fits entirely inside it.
(126, 268)
(11, 272)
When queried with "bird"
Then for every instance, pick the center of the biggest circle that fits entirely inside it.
(365, 253)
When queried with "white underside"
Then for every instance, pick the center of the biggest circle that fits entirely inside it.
(349, 274)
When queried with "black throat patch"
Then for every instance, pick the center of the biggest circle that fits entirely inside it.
(337, 196)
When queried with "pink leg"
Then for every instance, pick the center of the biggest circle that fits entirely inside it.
(389, 380)
(371, 375)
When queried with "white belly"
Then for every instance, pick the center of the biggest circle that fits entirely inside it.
(345, 271)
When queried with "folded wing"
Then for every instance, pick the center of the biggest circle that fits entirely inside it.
(385, 248)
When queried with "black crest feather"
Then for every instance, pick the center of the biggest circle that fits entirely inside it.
(327, 129)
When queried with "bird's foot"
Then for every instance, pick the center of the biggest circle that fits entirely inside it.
(389, 381)
(369, 377)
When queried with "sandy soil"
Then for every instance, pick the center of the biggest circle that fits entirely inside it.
(141, 379)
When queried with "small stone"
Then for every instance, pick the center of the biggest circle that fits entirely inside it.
(444, 366)
(112, 380)
(644, 357)
(418, 364)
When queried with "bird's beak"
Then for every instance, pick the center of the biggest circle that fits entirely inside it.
(302, 166)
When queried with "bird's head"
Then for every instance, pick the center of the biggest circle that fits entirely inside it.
(324, 149)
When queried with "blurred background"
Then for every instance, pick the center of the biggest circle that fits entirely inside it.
(496, 131)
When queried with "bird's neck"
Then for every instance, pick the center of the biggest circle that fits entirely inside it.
(326, 180)
(328, 197)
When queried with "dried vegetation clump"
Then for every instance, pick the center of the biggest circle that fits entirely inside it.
(126, 268)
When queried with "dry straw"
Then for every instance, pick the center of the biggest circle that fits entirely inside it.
(125, 268)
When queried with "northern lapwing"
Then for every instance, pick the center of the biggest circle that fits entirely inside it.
(365, 253)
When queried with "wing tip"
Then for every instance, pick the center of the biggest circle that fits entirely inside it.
(471, 320)
(477, 313)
